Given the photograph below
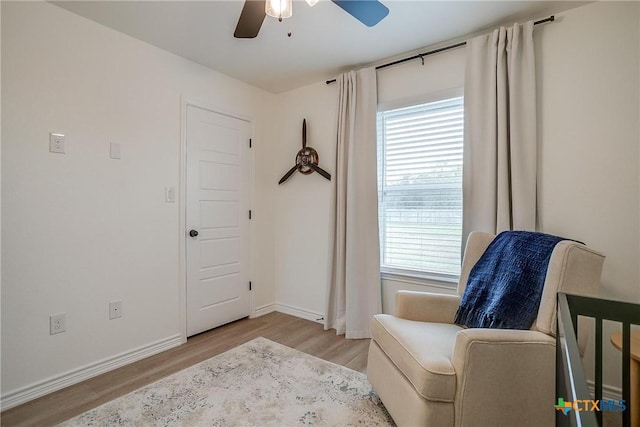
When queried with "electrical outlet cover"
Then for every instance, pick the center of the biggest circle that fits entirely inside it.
(57, 323)
(56, 143)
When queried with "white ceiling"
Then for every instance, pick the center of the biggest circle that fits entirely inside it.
(325, 40)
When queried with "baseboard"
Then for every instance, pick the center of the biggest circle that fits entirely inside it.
(265, 309)
(289, 309)
(39, 389)
(25, 394)
(299, 312)
(608, 392)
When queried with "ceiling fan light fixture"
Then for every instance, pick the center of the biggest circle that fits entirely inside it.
(279, 8)
(312, 2)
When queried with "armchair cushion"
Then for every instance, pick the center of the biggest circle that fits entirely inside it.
(422, 351)
(426, 307)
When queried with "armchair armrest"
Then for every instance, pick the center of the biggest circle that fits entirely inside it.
(492, 365)
(426, 307)
(470, 336)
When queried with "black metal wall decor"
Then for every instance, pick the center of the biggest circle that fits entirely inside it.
(306, 159)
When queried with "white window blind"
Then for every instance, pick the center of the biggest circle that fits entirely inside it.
(420, 188)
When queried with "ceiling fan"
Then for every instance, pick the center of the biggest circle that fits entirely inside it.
(369, 12)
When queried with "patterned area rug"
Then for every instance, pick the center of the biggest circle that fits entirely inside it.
(260, 383)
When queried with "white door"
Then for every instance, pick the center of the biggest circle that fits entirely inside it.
(217, 219)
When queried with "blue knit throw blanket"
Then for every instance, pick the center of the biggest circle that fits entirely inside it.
(505, 286)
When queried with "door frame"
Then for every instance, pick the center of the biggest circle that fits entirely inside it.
(182, 205)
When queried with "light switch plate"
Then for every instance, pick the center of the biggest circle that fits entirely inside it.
(56, 143)
(114, 151)
(170, 194)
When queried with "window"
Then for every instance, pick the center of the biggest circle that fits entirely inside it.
(420, 189)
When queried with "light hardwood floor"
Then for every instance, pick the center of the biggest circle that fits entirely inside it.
(293, 332)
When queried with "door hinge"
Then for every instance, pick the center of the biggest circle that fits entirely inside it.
(249, 285)
(250, 142)
(249, 213)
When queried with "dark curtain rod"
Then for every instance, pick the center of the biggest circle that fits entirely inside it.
(442, 49)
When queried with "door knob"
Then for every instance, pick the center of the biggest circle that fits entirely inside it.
(193, 233)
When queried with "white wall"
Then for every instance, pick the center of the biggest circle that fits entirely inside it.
(302, 204)
(80, 229)
(412, 82)
(588, 77)
(588, 96)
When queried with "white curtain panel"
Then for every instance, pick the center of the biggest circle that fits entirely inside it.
(500, 141)
(354, 293)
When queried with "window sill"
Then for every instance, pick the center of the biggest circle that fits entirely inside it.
(415, 278)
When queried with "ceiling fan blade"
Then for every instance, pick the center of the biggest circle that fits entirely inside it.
(250, 19)
(304, 133)
(288, 174)
(320, 171)
(369, 12)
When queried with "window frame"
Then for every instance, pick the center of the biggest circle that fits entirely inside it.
(432, 279)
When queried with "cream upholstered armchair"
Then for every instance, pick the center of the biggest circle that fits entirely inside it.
(430, 372)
